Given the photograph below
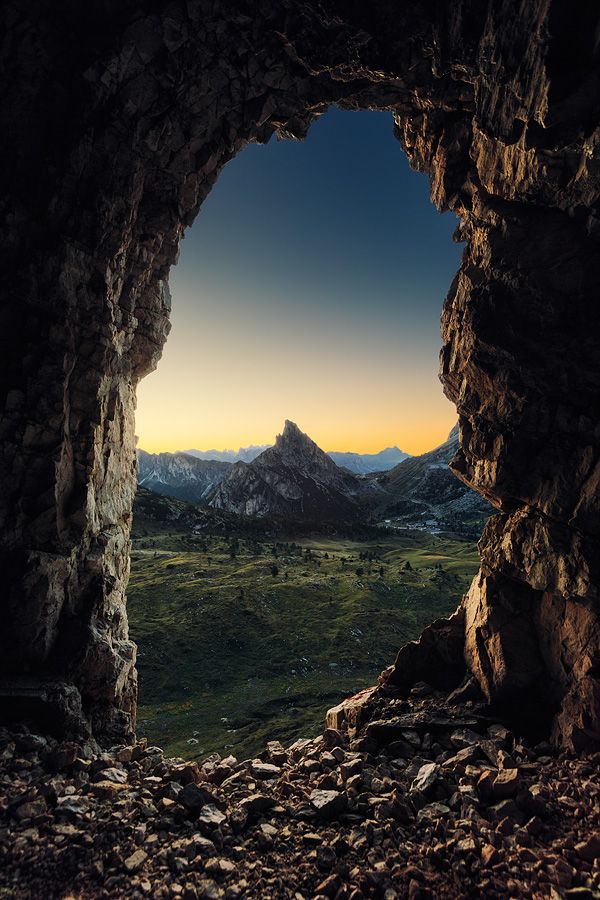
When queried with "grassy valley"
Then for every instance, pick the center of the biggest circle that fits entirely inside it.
(244, 638)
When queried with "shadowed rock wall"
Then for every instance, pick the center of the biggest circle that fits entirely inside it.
(115, 124)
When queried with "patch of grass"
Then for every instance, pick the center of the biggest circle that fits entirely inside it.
(231, 655)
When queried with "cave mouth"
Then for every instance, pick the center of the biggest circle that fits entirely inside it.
(154, 104)
(351, 277)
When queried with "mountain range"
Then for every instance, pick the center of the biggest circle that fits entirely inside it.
(180, 475)
(359, 463)
(295, 480)
(244, 454)
(365, 463)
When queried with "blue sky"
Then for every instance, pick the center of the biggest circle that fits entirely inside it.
(309, 287)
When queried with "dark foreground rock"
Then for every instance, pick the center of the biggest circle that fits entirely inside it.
(445, 804)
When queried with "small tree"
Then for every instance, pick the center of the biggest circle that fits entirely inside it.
(274, 571)
(360, 571)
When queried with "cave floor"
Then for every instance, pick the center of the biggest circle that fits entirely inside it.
(426, 801)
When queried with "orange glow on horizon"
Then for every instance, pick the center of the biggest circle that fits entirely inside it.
(359, 395)
(413, 442)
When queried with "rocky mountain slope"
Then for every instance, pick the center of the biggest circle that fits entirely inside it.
(294, 479)
(423, 489)
(365, 463)
(180, 475)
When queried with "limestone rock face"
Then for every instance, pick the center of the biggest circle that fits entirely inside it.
(116, 120)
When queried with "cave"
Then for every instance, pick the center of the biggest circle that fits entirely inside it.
(117, 118)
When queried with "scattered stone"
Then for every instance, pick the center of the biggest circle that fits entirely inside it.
(432, 812)
(410, 813)
(257, 803)
(264, 771)
(426, 779)
(107, 789)
(590, 848)
(505, 784)
(211, 816)
(193, 797)
(490, 856)
(328, 804)
(464, 737)
(118, 776)
(30, 809)
(134, 862)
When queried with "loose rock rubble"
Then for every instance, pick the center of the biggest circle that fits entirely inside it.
(419, 804)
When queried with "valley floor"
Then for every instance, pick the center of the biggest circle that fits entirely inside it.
(244, 639)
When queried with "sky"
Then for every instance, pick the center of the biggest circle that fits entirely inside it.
(308, 288)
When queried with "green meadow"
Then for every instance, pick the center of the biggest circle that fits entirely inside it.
(241, 640)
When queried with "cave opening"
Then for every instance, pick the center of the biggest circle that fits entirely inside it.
(116, 119)
(310, 288)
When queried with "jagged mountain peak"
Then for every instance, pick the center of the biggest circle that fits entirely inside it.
(294, 479)
(292, 434)
(295, 449)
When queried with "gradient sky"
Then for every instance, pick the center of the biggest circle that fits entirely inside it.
(309, 288)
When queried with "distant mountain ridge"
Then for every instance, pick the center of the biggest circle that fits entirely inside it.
(294, 479)
(365, 463)
(180, 475)
(243, 454)
(359, 463)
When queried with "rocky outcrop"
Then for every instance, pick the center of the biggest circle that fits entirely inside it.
(116, 120)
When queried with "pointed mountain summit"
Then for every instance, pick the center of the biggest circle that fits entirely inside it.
(294, 447)
(294, 479)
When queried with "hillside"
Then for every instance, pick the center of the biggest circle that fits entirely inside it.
(424, 491)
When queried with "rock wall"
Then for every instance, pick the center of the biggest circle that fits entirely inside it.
(116, 121)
